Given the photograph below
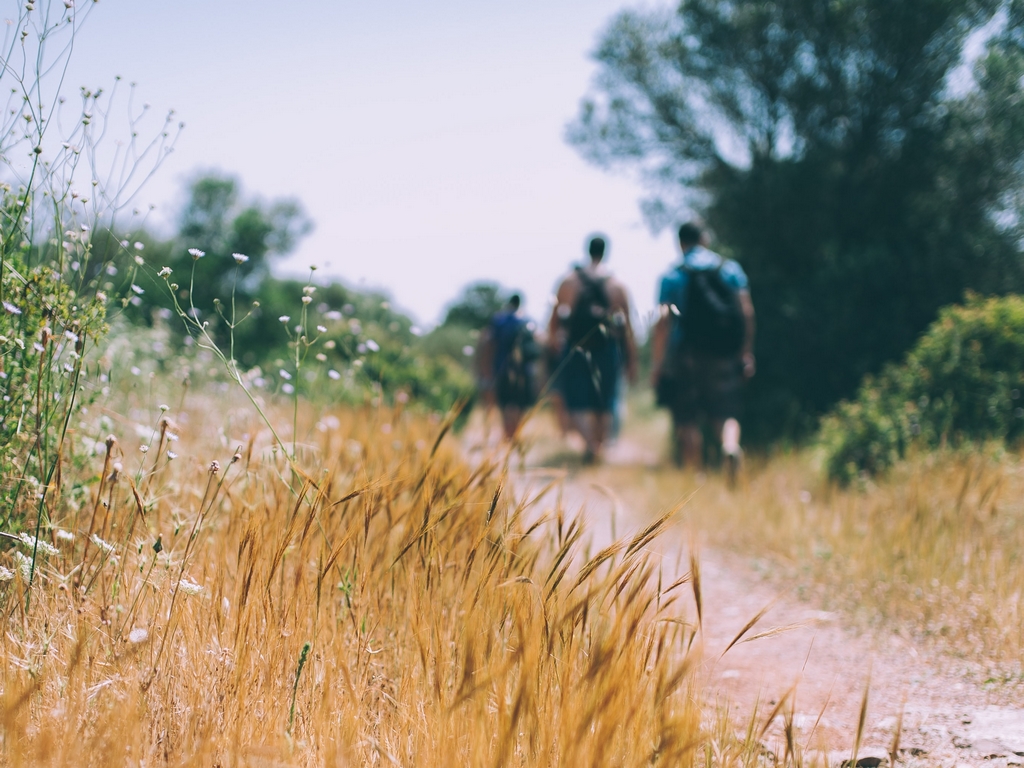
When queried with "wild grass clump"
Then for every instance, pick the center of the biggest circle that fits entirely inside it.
(386, 604)
(961, 382)
(933, 551)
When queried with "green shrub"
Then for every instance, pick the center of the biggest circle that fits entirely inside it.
(45, 327)
(961, 382)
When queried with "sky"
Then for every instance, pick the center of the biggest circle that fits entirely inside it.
(425, 140)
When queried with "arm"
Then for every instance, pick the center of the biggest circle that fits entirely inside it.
(563, 298)
(747, 354)
(659, 342)
(628, 339)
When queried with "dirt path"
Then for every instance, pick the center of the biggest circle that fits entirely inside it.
(947, 720)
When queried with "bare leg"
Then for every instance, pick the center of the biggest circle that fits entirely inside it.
(511, 415)
(588, 425)
(731, 451)
(691, 443)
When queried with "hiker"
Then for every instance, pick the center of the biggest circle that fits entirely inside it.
(507, 362)
(702, 349)
(591, 334)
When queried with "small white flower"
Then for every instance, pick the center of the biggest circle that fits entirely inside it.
(307, 299)
(468, 350)
(285, 375)
(308, 290)
(333, 374)
(106, 546)
(240, 258)
(171, 455)
(284, 318)
(372, 345)
(321, 329)
(137, 290)
(38, 544)
(164, 272)
(321, 357)
(332, 315)
(24, 564)
(71, 336)
(11, 309)
(63, 535)
(196, 254)
(140, 261)
(171, 436)
(190, 587)
(288, 389)
(144, 448)
(6, 574)
(138, 635)
(139, 246)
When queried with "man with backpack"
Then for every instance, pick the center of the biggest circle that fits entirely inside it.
(590, 334)
(507, 362)
(702, 349)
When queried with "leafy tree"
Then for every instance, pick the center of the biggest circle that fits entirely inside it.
(841, 150)
(474, 307)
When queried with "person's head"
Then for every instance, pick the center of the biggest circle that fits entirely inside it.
(596, 248)
(514, 302)
(690, 234)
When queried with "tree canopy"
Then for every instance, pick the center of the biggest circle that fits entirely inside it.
(854, 155)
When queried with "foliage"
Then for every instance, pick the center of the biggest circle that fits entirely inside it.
(962, 381)
(841, 151)
(53, 305)
(44, 329)
(476, 305)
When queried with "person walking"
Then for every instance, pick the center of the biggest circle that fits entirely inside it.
(507, 362)
(702, 349)
(590, 332)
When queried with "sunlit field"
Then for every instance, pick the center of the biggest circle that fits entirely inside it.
(932, 550)
(386, 603)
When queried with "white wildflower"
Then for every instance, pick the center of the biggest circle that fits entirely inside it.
(6, 574)
(164, 272)
(284, 318)
(11, 309)
(137, 289)
(288, 389)
(171, 455)
(106, 546)
(332, 315)
(372, 345)
(190, 587)
(308, 290)
(333, 374)
(307, 299)
(140, 261)
(240, 258)
(196, 254)
(138, 635)
(24, 564)
(320, 356)
(63, 535)
(139, 246)
(321, 329)
(38, 544)
(285, 375)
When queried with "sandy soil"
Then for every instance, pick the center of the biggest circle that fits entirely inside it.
(949, 718)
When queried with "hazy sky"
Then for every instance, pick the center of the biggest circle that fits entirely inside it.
(424, 138)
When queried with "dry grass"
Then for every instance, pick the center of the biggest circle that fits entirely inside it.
(934, 550)
(445, 623)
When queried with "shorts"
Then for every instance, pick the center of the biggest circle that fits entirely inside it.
(708, 387)
(589, 380)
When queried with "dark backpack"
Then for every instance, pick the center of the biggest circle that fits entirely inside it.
(589, 313)
(712, 320)
(516, 353)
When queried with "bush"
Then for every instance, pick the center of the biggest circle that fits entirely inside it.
(961, 382)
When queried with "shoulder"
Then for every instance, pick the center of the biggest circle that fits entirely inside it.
(669, 285)
(734, 274)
